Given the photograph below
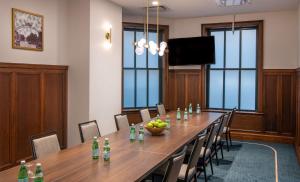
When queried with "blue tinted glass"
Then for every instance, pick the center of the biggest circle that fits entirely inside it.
(248, 48)
(216, 89)
(232, 49)
(153, 87)
(152, 59)
(219, 49)
(248, 90)
(128, 50)
(231, 89)
(141, 88)
(140, 59)
(128, 91)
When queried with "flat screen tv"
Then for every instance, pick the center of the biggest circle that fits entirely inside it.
(191, 51)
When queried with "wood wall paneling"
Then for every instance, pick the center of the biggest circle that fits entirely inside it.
(297, 132)
(278, 109)
(28, 112)
(279, 101)
(5, 115)
(33, 101)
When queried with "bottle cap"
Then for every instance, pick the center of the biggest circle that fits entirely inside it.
(95, 138)
(106, 139)
(132, 124)
(23, 162)
(141, 125)
(38, 164)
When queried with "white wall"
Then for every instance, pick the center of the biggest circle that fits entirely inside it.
(280, 34)
(105, 65)
(77, 42)
(299, 34)
(49, 9)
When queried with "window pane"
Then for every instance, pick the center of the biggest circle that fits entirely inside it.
(153, 87)
(128, 50)
(141, 59)
(231, 89)
(219, 49)
(128, 92)
(141, 88)
(216, 89)
(152, 59)
(248, 90)
(249, 48)
(232, 49)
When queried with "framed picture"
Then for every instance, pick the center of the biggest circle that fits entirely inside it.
(27, 30)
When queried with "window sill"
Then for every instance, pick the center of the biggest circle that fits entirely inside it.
(239, 112)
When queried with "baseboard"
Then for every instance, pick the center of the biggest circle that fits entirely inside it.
(247, 135)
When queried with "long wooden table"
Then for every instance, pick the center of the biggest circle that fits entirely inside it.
(129, 161)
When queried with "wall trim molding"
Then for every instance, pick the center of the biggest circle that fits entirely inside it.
(262, 136)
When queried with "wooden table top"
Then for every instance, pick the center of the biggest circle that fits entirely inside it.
(129, 161)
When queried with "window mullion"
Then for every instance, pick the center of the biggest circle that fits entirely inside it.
(224, 67)
(135, 75)
(240, 72)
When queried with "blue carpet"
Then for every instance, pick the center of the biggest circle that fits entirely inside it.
(250, 163)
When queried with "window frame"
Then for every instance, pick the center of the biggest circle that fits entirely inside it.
(258, 25)
(163, 34)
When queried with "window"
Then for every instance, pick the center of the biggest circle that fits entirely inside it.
(232, 80)
(142, 74)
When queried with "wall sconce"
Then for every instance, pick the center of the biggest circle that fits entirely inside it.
(107, 36)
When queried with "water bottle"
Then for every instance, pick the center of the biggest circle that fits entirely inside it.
(141, 134)
(132, 133)
(190, 109)
(185, 116)
(95, 149)
(178, 115)
(198, 110)
(23, 174)
(168, 121)
(106, 150)
(38, 176)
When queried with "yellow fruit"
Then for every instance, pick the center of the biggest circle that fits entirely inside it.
(150, 125)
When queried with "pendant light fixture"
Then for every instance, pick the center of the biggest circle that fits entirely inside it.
(144, 43)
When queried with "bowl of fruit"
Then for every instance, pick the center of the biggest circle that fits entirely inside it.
(156, 127)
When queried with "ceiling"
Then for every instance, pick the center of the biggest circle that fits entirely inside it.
(198, 8)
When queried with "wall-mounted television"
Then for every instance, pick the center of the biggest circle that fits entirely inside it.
(191, 51)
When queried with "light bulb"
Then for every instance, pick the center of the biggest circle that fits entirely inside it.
(161, 53)
(152, 47)
(141, 42)
(163, 45)
(139, 50)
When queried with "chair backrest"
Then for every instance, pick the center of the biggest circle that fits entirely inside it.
(174, 166)
(121, 121)
(44, 144)
(232, 113)
(88, 130)
(194, 157)
(161, 109)
(145, 115)
(210, 137)
(223, 123)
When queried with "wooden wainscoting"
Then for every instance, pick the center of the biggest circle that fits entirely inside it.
(276, 122)
(185, 87)
(297, 132)
(135, 117)
(33, 100)
(279, 101)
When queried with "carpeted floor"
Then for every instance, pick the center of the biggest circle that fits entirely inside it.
(251, 162)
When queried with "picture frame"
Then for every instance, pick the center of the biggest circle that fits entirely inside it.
(27, 30)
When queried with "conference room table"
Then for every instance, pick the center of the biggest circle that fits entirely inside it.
(130, 161)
